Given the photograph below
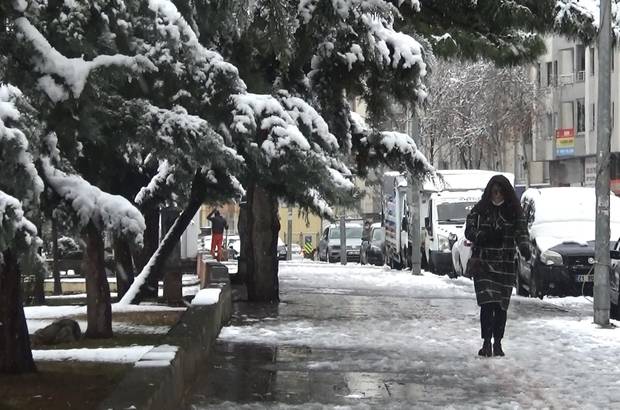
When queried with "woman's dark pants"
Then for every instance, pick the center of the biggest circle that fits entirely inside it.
(492, 321)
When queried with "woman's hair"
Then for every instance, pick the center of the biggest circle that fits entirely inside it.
(510, 196)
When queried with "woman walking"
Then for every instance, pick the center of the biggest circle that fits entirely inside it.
(496, 227)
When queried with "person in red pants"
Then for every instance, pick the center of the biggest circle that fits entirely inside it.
(218, 225)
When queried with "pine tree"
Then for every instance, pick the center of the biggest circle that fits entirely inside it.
(20, 187)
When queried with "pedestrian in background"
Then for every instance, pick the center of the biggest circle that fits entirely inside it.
(496, 227)
(218, 225)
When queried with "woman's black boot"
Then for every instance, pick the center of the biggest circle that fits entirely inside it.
(486, 349)
(497, 348)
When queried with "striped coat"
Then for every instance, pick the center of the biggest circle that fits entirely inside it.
(495, 234)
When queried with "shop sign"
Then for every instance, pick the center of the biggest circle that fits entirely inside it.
(564, 142)
(589, 171)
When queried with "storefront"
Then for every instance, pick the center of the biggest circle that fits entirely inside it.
(581, 171)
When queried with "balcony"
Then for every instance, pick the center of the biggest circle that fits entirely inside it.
(581, 76)
(566, 79)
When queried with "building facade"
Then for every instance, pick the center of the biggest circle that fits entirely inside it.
(565, 134)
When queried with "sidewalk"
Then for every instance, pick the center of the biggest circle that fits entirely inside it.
(370, 338)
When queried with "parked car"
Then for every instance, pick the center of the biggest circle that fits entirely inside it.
(373, 248)
(329, 245)
(561, 224)
(234, 246)
(461, 251)
(296, 250)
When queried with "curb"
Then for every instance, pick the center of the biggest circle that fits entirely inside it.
(159, 380)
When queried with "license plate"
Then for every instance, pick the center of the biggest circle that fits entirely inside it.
(585, 278)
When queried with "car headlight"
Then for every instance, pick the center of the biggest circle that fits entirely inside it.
(551, 258)
(444, 243)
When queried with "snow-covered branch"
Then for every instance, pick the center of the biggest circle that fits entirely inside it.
(163, 178)
(106, 211)
(74, 71)
(14, 224)
(18, 165)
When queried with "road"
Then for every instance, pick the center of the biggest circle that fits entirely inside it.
(370, 338)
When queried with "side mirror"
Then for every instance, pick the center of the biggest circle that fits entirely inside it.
(614, 254)
(427, 223)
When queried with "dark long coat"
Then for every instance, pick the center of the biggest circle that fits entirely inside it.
(495, 233)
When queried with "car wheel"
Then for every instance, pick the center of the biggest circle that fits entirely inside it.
(518, 285)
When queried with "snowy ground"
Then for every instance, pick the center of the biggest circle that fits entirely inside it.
(367, 337)
(38, 317)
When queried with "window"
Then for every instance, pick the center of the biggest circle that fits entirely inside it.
(555, 72)
(549, 75)
(613, 114)
(580, 52)
(592, 117)
(549, 125)
(538, 75)
(592, 64)
(581, 115)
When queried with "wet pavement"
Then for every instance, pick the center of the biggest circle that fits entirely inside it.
(367, 347)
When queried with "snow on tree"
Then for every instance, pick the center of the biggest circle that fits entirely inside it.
(474, 109)
(505, 31)
(580, 18)
(20, 186)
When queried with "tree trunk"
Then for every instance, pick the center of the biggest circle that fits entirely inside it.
(99, 309)
(245, 249)
(262, 263)
(158, 260)
(15, 353)
(55, 258)
(125, 271)
(151, 242)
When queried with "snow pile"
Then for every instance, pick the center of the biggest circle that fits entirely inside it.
(208, 296)
(74, 71)
(109, 355)
(108, 212)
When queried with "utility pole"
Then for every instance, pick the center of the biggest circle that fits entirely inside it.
(343, 240)
(414, 225)
(289, 235)
(601, 268)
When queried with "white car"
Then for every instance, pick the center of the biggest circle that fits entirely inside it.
(461, 251)
(234, 246)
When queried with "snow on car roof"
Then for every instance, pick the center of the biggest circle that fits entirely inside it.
(473, 195)
(559, 204)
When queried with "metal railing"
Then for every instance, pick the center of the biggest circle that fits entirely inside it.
(581, 76)
(566, 79)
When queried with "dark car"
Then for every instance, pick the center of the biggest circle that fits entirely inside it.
(561, 224)
(372, 249)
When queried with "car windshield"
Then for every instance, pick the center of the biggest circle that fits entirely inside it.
(377, 235)
(352, 232)
(451, 212)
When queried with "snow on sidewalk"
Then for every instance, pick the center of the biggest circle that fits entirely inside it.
(424, 332)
